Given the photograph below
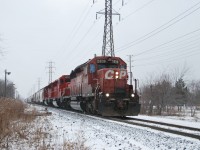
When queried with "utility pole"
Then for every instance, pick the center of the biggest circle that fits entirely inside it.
(108, 42)
(39, 84)
(130, 67)
(50, 67)
(6, 73)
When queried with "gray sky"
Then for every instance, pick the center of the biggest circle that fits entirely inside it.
(160, 34)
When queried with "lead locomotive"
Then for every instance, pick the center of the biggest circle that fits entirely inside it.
(100, 86)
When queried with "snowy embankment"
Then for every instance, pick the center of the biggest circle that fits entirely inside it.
(99, 134)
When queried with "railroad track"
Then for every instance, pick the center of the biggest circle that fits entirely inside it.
(162, 123)
(140, 122)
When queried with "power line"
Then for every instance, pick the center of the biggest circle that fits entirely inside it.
(188, 47)
(116, 2)
(175, 58)
(79, 23)
(83, 37)
(143, 6)
(182, 36)
(158, 30)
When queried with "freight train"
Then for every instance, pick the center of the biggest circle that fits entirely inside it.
(99, 86)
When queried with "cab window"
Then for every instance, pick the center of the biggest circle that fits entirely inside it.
(101, 66)
(123, 66)
(92, 68)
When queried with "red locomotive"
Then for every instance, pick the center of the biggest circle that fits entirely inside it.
(98, 86)
(57, 93)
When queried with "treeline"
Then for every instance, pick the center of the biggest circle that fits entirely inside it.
(163, 95)
(10, 89)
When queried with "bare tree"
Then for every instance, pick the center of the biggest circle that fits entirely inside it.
(180, 72)
(2, 83)
(9, 88)
(163, 92)
(157, 95)
(147, 96)
(194, 96)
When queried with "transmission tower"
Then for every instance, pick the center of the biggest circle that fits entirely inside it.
(50, 67)
(108, 42)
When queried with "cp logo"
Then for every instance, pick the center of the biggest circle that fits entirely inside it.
(111, 73)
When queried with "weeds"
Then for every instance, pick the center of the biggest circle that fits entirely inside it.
(13, 121)
(29, 129)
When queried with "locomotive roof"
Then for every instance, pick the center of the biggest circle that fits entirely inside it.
(97, 57)
(56, 80)
(82, 65)
(106, 57)
(79, 68)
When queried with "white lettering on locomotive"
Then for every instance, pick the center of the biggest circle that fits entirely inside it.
(110, 74)
(122, 74)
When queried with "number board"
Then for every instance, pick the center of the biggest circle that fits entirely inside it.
(103, 61)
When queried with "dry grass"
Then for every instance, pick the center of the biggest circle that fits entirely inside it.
(13, 121)
(78, 144)
(20, 128)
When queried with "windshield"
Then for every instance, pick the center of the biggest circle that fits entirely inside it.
(101, 66)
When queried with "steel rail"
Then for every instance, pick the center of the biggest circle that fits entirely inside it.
(162, 123)
(158, 128)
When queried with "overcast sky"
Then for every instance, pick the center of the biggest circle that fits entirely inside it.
(160, 34)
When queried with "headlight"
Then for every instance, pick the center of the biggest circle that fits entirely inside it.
(132, 95)
(107, 94)
(116, 75)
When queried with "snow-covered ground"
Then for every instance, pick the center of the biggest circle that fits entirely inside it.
(102, 134)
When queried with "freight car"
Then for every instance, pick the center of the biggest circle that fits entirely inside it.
(98, 86)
